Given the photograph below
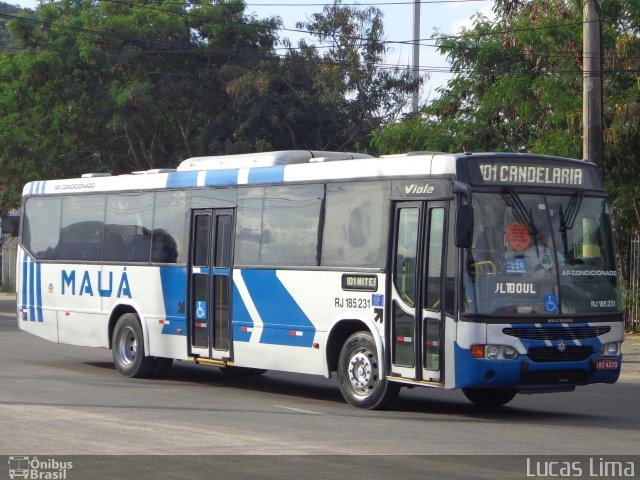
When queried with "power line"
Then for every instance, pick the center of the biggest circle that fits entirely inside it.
(379, 4)
(133, 3)
(381, 66)
(386, 42)
(189, 46)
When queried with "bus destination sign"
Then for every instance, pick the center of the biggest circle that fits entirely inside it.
(516, 172)
(532, 174)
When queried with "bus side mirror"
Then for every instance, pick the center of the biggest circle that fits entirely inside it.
(464, 216)
(464, 226)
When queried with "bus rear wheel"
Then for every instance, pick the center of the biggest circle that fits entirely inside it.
(359, 374)
(489, 397)
(128, 348)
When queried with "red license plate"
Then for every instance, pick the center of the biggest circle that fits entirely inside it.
(607, 364)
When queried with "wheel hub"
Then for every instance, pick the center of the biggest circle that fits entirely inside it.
(127, 346)
(363, 371)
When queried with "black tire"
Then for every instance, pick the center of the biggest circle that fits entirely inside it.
(161, 366)
(358, 374)
(127, 346)
(242, 371)
(489, 397)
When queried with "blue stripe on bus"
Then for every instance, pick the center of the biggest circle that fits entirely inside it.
(37, 188)
(242, 321)
(226, 177)
(32, 313)
(25, 275)
(182, 179)
(174, 296)
(39, 292)
(221, 177)
(266, 174)
(284, 322)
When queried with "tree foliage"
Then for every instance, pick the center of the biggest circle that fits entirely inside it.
(517, 86)
(6, 43)
(113, 85)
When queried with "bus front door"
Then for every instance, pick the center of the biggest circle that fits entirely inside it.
(417, 290)
(210, 283)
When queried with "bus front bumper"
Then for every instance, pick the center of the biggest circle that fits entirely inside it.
(523, 373)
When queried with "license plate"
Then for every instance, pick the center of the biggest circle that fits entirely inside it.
(607, 364)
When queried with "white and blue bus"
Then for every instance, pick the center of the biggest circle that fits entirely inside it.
(493, 273)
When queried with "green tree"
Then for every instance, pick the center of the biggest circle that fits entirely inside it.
(621, 31)
(351, 68)
(114, 85)
(117, 86)
(517, 86)
(6, 9)
(331, 100)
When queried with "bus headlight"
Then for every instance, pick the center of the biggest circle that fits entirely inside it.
(493, 352)
(610, 349)
(509, 353)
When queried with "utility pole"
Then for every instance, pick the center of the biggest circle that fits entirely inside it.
(592, 140)
(416, 55)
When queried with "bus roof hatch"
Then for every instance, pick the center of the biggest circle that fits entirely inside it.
(264, 159)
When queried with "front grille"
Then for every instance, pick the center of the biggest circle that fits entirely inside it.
(552, 354)
(557, 333)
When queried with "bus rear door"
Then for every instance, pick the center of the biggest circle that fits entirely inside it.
(210, 283)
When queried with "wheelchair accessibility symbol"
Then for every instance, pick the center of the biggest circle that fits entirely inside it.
(201, 310)
(551, 303)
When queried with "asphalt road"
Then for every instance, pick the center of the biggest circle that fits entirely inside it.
(63, 400)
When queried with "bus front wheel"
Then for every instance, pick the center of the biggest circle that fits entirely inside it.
(128, 348)
(359, 374)
(489, 397)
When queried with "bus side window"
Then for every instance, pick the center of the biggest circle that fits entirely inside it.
(41, 226)
(356, 224)
(290, 225)
(406, 254)
(170, 221)
(128, 227)
(82, 225)
(114, 245)
(435, 257)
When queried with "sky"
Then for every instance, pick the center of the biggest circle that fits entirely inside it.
(447, 18)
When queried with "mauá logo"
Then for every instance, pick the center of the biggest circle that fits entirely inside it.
(104, 281)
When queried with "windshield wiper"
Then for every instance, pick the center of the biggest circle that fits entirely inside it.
(568, 218)
(523, 215)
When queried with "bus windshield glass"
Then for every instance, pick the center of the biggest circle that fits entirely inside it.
(540, 255)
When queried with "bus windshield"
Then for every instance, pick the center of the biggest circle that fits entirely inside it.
(540, 255)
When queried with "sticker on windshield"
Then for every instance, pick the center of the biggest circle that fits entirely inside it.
(515, 265)
(547, 261)
(551, 303)
(518, 236)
